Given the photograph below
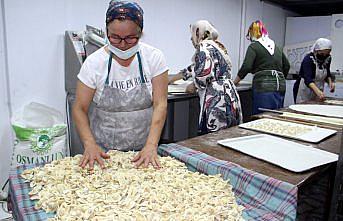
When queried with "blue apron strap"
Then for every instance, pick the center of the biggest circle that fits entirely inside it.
(140, 67)
(109, 68)
(110, 64)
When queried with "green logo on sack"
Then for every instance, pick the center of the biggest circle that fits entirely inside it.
(41, 144)
(42, 139)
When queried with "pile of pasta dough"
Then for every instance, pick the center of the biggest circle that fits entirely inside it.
(122, 192)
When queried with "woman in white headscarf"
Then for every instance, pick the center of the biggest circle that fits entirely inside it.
(314, 72)
(220, 105)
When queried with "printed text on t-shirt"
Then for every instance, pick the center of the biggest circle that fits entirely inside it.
(129, 83)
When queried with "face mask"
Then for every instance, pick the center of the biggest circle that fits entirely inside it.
(124, 54)
(322, 57)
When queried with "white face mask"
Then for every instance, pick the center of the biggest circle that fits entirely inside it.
(124, 54)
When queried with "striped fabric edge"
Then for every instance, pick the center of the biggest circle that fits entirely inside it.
(23, 207)
(264, 198)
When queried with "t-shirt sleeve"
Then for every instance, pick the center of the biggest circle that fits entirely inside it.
(87, 75)
(158, 64)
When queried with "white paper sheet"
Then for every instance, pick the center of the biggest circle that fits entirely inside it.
(284, 153)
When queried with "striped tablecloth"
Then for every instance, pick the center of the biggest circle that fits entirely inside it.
(264, 198)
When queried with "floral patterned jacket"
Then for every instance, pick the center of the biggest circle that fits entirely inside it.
(211, 71)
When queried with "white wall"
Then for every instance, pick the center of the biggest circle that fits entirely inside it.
(168, 27)
(35, 41)
(337, 44)
(275, 20)
(36, 46)
(5, 129)
(273, 17)
(303, 29)
(252, 11)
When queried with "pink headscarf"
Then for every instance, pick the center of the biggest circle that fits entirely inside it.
(257, 30)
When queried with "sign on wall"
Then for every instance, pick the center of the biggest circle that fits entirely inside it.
(337, 44)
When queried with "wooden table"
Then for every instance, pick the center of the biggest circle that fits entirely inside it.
(314, 186)
(208, 144)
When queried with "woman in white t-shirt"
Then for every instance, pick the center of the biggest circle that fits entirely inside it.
(127, 80)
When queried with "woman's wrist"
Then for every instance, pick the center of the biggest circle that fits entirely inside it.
(319, 93)
(152, 145)
(237, 80)
(89, 143)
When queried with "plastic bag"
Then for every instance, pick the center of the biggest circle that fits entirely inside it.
(40, 135)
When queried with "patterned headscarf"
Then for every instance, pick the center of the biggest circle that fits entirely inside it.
(257, 30)
(125, 10)
(205, 30)
(209, 34)
(322, 44)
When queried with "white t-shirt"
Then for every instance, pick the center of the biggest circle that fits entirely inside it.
(93, 72)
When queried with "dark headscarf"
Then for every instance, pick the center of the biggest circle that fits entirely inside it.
(125, 10)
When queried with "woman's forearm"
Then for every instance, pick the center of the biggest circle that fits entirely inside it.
(315, 89)
(329, 80)
(157, 123)
(82, 125)
(175, 77)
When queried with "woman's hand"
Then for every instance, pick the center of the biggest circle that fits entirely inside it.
(191, 88)
(146, 156)
(317, 91)
(84, 97)
(321, 95)
(237, 80)
(92, 154)
(332, 86)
